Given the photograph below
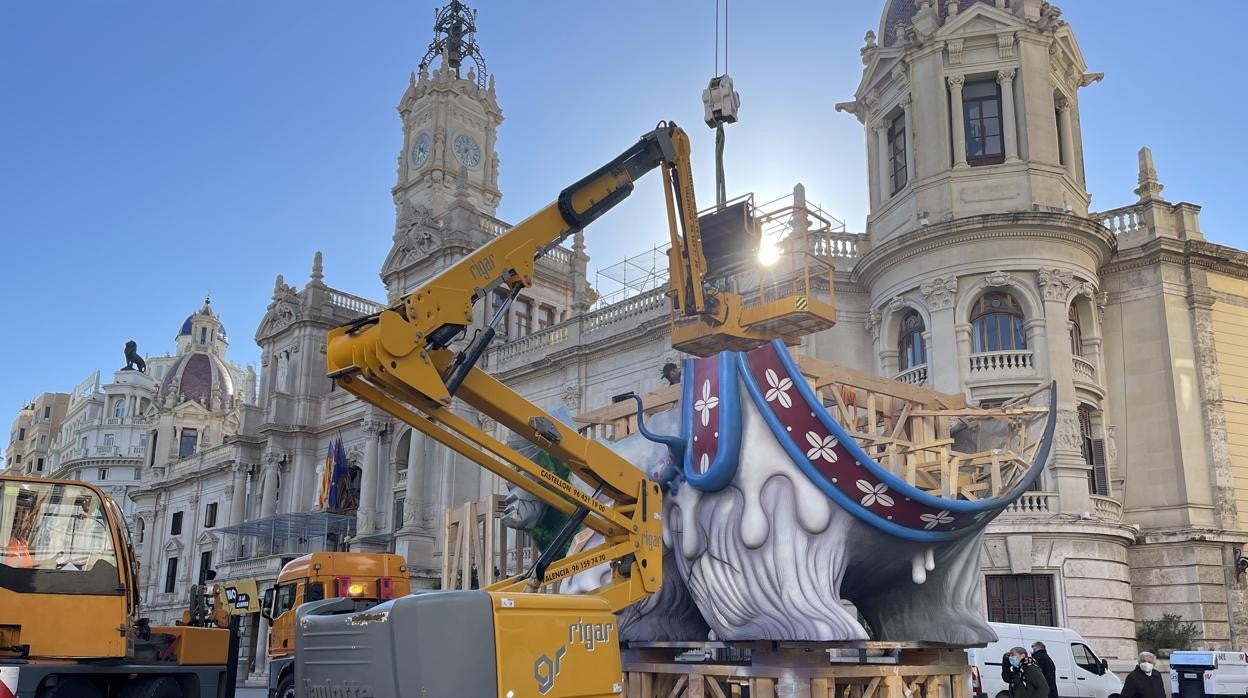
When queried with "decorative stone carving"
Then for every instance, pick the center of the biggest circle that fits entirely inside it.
(1006, 76)
(1068, 437)
(571, 396)
(873, 323)
(997, 278)
(896, 303)
(956, 81)
(1056, 283)
(940, 292)
(487, 424)
(1005, 45)
(372, 426)
(954, 46)
(1102, 300)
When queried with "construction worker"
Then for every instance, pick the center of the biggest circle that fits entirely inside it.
(671, 373)
(18, 554)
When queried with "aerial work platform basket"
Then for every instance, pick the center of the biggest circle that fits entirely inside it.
(768, 272)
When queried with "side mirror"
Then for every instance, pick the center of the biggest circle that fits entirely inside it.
(1104, 667)
(266, 610)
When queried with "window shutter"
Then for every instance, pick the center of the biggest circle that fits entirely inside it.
(1100, 471)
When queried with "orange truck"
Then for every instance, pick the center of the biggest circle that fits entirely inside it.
(366, 578)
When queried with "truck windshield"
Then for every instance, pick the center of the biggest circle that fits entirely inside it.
(55, 539)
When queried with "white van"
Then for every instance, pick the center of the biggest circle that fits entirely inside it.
(1080, 673)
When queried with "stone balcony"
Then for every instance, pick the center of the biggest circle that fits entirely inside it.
(1002, 365)
(1033, 505)
(916, 375)
(582, 330)
(1084, 370)
(1106, 508)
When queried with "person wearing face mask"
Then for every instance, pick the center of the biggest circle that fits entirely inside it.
(1145, 681)
(1041, 655)
(1032, 683)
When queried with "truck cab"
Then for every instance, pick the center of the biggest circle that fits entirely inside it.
(367, 578)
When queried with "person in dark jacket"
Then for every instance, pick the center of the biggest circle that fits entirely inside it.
(1041, 655)
(1145, 681)
(1009, 674)
(1032, 684)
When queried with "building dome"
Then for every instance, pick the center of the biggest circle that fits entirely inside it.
(903, 12)
(200, 376)
(188, 325)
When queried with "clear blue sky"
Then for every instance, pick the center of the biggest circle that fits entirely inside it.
(153, 152)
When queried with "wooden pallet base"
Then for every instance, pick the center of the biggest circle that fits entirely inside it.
(797, 670)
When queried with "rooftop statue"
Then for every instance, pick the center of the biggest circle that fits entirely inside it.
(133, 360)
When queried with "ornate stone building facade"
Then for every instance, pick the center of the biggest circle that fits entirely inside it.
(982, 271)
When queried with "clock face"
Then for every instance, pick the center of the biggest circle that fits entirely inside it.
(467, 151)
(420, 150)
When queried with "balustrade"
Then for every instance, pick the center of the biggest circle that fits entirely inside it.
(1127, 219)
(1084, 369)
(363, 306)
(914, 376)
(1033, 503)
(1106, 508)
(986, 364)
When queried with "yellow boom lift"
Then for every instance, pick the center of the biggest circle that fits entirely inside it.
(506, 640)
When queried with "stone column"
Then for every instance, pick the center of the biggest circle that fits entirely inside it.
(944, 354)
(151, 532)
(415, 475)
(907, 105)
(1070, 469)
(366, 515)
(962, 339)
(959, 125)
(1068, 135)
(885, 182)
(268, 491)
(1009, 124)
(238, 500)
(260, 675)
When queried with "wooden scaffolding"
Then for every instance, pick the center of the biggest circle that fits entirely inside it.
(932, 440)
(799, 670)
(478, 549)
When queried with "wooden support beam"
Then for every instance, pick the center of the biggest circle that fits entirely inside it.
(826, 372)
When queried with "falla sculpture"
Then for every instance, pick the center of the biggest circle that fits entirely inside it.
(775, 516)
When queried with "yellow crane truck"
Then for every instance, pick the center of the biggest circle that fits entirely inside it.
(70, 624)
(507, 641)
(362, 579)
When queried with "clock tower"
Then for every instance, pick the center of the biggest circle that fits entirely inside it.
(447, 188)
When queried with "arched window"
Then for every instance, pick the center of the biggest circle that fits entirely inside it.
(1076, 333)
(997, 324)
(911, 349)
(119, 409)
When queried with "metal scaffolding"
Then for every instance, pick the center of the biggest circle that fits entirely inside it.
(295, 533)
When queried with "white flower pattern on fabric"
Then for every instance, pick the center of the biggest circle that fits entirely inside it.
(874, 494)
(821, 448)
(706, 403)
(779, 389)
(940, 518)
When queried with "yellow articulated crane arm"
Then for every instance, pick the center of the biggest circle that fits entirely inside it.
(400, 360)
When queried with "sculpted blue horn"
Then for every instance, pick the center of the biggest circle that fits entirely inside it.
(675, 443)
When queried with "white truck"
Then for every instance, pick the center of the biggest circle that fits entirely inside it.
(1201, 674)
(1080, 673)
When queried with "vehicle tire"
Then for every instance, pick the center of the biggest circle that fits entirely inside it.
(1003, 694)
(70, 687)
(286, 687)
(158, 687)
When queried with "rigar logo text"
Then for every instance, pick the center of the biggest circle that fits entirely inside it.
(329, 689)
